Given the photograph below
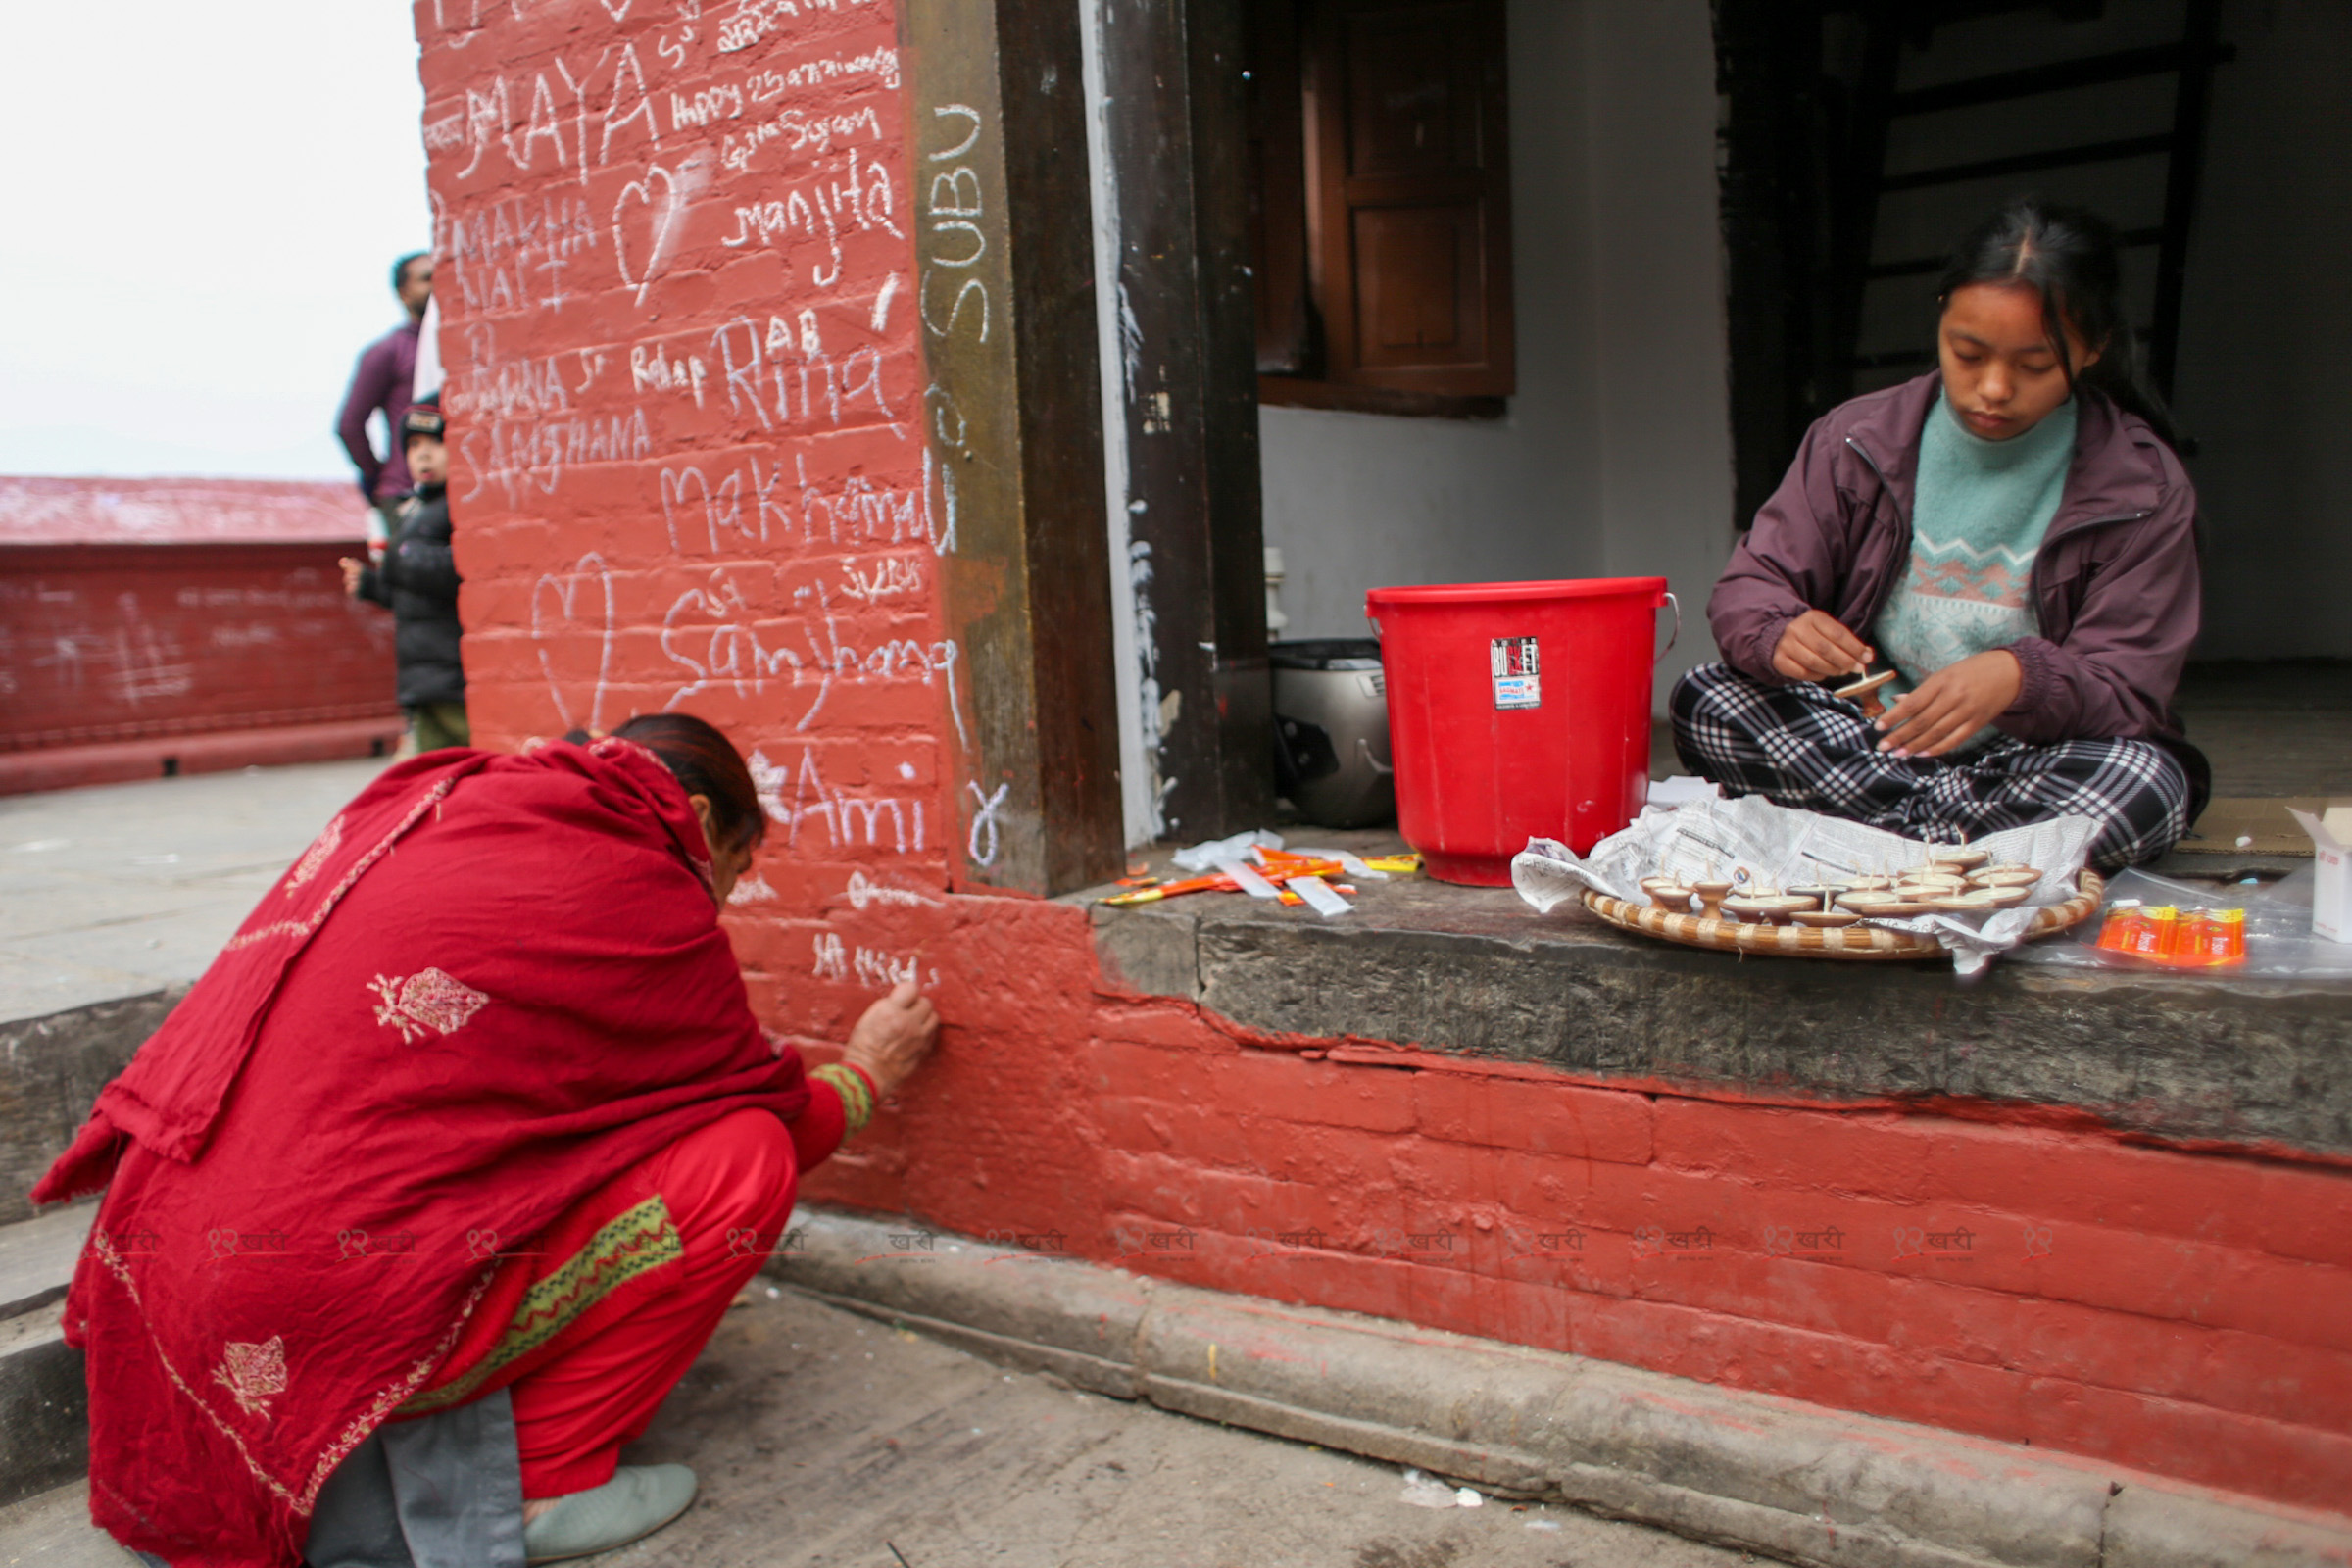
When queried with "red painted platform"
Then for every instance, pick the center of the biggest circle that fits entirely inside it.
(198, 623)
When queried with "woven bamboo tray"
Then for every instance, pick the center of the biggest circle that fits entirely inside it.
(1864, 942)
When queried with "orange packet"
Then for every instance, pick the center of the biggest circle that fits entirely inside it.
(2141, 931)
(2210, 939)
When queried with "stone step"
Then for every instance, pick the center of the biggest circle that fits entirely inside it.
(36, 1257)
(44, 1407)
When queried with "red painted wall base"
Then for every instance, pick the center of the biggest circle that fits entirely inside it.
(68, 768)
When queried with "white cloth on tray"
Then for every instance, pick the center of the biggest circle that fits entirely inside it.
(1751, 840)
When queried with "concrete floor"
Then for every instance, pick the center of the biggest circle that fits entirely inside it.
(829, 1440)
(122, 889)
(2272, 729)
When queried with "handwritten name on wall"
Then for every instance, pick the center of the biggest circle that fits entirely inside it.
(686, 258)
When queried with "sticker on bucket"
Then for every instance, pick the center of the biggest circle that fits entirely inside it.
(1517, 683)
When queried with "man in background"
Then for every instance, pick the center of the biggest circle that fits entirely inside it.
(385, 380)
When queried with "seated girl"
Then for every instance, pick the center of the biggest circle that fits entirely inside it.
(2013, 534)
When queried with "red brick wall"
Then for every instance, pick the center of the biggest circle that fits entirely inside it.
(675, 271)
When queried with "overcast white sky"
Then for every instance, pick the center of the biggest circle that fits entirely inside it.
(197, 229)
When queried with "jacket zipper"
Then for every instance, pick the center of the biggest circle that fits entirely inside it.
(1886, 590)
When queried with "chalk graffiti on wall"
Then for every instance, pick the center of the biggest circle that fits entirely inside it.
(797, 796)
(851, 197)
(589, 183)
(717, 635)
(954, 242)
(752, 504)
(786, 375)
(518, 424)
(572, 611)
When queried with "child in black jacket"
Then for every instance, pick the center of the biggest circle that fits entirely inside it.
(419, 582)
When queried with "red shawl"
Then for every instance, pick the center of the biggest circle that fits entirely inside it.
(491, 985)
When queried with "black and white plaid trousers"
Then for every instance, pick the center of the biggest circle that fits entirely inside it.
(1798, 746)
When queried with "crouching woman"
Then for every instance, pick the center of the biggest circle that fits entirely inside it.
(443, 1174)
(2014, 537)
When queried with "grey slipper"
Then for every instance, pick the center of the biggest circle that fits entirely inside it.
(638, 1500)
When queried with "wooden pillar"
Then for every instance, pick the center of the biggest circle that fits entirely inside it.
(1006, 292)
(1176, 122)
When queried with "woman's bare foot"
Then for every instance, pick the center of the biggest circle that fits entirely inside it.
(535, 1507)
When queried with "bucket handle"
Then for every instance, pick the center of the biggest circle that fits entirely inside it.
(1676, 606)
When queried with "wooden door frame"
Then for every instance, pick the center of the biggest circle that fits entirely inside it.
(1014, 409)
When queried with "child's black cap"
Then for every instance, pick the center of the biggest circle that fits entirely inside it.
(423, 418)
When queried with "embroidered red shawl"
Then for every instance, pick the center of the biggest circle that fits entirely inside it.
(493, 983)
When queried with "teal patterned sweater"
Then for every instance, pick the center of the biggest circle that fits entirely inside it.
(1981, 511)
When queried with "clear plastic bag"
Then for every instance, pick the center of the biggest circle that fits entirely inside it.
(2279, 942)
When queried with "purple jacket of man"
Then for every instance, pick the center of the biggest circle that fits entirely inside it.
(385, 378)
(2114, 583)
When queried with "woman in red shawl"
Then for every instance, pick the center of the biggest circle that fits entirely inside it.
(445, 1171)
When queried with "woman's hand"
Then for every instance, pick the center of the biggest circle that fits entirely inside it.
(351, 576)
(1815, 646)
(1951, 705)
(893, 1038)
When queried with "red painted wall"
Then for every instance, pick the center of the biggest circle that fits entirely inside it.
(127, 642)
(675, 267)
(145, 618)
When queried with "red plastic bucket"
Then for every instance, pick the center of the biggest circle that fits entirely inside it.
(1517, 710)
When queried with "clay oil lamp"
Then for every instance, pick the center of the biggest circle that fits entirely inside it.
(2006, 876)
(1820, 893)
(1976, 900)
(1754, 906)
(1672, 897)
(1962, 859)
(1768, 905)
(1825, 919)
(2006, 898)
(1712, 891)
(1866, 902)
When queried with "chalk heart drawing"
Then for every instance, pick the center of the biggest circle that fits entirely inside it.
(573, 626)
(660, 217)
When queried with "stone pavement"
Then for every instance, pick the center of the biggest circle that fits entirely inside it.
(125, 889)
(825, 1438)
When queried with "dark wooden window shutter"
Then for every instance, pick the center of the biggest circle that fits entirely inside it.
(1409, 194)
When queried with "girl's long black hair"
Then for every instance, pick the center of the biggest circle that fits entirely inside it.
(2068, 254)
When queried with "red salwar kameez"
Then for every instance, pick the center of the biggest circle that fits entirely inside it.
(474, 1100)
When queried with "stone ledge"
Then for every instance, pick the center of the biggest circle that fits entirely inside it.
(51, 1069)
(44, 1407)
(1800, 1482)
(1474, 971)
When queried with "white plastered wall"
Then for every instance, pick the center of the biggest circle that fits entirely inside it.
(1615, 459)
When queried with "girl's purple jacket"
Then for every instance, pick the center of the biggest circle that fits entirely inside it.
(2114, 583)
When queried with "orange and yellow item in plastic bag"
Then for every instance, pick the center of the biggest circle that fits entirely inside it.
(2178, 939)
(2143, 931)
(2209, 939)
